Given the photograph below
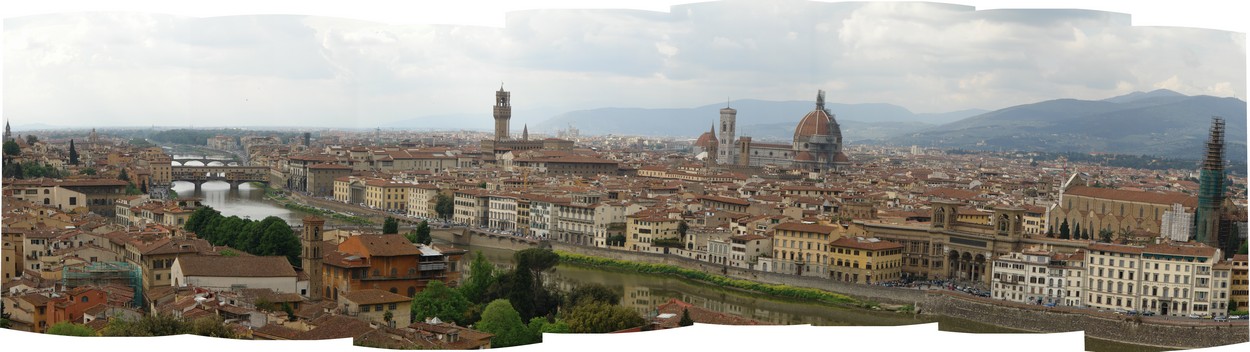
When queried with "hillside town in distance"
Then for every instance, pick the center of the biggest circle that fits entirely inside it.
(95, 242)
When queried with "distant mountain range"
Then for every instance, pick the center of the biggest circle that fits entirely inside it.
(1161, 122)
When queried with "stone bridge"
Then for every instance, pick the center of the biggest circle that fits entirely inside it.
(235, 175)
(225, 160)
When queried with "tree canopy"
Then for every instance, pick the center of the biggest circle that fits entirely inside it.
(438, 300)
(421, 234)
(390, 226)
(481, 278)
(11, 148)
(71, 329)
(270, 236)
(73, 153)
(444, 206)
(600, 317)
(594, 292)
(501, 319)
(165, 325)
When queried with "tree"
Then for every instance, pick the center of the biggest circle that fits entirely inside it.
(1085, 234)
(1076, 231)
(444, 206)
(538, 259)
(540, 325)
(31, 139)
(390, 226)
(11, 148)
(685, 318)
(123, 176)
(682, 227)
(481, 184)
(1104, 235)
(600, 317)
(71, 329)
(1064, 230)
(421, 234)
(73, 154)
(616, 240)
(594, 292)
(210, 326)
(88, 171)
(151, 325)
(388, 316)
(501, 319)
(438, 300)
(481, 277)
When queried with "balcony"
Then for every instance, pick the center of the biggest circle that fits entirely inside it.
(432, 266)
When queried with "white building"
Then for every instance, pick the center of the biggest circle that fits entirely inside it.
(1176, 279)
(1177, 224)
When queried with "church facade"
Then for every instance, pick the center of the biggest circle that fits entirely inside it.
(817, 143)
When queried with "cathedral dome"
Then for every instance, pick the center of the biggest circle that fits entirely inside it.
(815, 123)
(706, 140)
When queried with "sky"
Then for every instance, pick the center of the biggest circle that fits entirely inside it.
(326, 65)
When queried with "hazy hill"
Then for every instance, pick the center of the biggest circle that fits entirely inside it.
(1161, 123)
(768, 115)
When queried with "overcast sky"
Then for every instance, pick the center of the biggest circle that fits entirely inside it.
(167, 68)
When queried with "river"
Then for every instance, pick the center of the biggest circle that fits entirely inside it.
(644, 292)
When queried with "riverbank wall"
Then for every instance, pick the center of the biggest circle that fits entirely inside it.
(1105, 326)
(1099, 325)
(467, 237)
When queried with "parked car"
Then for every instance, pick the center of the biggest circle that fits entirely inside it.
(1147, 314)
(1194, 316)
(1120, 311)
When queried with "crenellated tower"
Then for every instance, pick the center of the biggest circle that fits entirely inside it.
(503, 113)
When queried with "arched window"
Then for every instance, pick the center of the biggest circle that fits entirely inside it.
(394, 290)
(412, 291)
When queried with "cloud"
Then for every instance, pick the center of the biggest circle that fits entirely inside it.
(142, 69)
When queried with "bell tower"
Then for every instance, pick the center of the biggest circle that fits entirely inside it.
(311, 258)
(503, 113)
(725, 149)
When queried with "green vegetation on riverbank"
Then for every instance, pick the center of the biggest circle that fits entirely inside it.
(278, 196)
(662, 269)
(336, 216)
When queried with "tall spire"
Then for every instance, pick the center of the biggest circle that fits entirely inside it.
(525, 132)
(1211, 189)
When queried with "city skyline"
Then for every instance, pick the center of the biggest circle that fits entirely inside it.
(133, 69)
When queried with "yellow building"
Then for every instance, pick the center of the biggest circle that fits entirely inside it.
(386, 195)
(644, 227)
(865, 260)
(802, 248)
(372, 305)
(1238, 284)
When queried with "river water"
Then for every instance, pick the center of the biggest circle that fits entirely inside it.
(644, 292)
(247, 201)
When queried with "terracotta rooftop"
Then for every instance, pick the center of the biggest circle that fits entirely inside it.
(1167, 198)
(801, 227)
(374, 296)
(232, 266)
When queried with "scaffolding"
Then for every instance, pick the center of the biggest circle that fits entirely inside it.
(105, 274)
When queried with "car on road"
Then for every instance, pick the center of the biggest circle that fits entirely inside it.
(1120, 311)
(1195, 316)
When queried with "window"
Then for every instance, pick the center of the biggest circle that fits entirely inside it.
(364, 308)
(392, 306)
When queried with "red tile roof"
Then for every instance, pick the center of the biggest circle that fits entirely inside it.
(801, 227)
(1162, 198)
